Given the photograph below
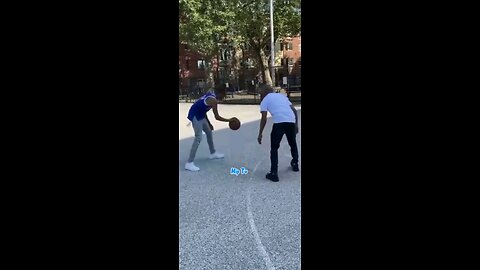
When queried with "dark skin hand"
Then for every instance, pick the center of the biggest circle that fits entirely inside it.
(263, 122)
(212, 102)
(296, 118)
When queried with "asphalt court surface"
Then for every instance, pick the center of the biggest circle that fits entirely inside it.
(239, 221)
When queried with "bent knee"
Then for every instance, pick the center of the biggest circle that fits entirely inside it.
(275, 147)
(198, 138)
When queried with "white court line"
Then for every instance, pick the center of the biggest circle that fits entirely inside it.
(260, 246)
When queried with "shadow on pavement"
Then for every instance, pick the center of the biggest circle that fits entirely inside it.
(240, 148)
(217, 209)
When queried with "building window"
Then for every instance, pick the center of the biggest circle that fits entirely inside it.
(290, 61)
(247, 63)
(201, 64)
(225, 54)
(287, 46)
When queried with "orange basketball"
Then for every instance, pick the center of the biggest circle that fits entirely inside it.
(235, 124)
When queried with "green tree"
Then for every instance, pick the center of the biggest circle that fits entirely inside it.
(203, 24)
(245, 23)
(253, 26)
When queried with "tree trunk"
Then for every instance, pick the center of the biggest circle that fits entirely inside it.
(237, 56)
(264, 67)
(210, 82)
(217, 78)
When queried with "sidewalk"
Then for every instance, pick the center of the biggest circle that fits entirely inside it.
(250, 99)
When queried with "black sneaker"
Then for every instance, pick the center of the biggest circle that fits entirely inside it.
(272, 176)
(294, 166)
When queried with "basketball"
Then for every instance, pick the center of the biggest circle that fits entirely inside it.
(234, 125)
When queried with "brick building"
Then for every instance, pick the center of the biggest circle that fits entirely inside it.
(288, 60)
(237, 67)
(191, 70)
(231, 66)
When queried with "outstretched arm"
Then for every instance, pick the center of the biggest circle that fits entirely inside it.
(210, 124)
(212, 102)
(296, 118)
(263, 122)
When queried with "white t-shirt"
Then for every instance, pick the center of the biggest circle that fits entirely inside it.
(278, 106)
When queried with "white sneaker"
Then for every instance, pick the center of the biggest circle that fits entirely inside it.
(191, 167)
(216, 155)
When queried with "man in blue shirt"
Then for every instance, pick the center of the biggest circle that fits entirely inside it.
(198, 116)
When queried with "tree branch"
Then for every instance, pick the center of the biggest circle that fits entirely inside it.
(248, 4)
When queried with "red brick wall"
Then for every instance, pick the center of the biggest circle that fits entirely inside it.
(189, 71)
(295, 53)
(191, 74)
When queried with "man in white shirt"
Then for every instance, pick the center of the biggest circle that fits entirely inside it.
(285, 121)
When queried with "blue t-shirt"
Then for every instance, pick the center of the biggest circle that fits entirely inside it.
(199, 109)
